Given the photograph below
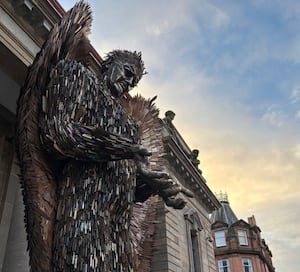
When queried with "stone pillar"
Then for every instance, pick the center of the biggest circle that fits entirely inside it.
(6, 215)
(16, 255)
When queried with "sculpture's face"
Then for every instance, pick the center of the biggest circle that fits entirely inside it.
(122, 70)
(122, 75)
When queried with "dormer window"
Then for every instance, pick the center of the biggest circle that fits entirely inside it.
(220, 238)
(242, 234)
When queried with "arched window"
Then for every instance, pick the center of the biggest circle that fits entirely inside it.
(194, 227)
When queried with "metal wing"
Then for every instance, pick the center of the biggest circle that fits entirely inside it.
(37, 176)
(144, 214)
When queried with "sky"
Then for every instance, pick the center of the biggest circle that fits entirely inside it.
(230, 70)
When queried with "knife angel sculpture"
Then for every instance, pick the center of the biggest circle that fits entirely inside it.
(82, 152)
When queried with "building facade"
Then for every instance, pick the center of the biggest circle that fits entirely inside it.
(238, 245)
(183, 237)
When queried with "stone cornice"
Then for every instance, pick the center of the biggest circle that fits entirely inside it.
(191, 175)
(31, 19)
(23, 47)
(34, 19)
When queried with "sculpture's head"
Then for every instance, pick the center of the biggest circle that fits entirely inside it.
(122, 70)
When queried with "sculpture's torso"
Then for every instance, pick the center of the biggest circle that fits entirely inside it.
(93, 217)
(95, 192)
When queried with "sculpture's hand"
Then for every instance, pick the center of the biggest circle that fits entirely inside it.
(168, 194)
(176, 203)
(174, 189)
(149, 174)
(140, 153)
(162, 184)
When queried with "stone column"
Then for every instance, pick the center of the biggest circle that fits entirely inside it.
(6, 215)
(16, 256)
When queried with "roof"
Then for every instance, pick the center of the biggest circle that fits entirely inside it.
(224, 214)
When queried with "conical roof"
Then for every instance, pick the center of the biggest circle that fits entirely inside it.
(224, 214)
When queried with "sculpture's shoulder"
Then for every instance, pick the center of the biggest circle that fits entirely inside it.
(75, 93)
(72, 71)
(72, 85)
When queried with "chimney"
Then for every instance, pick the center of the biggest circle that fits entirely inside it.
(251, 220)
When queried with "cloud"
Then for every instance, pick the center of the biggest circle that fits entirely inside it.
(296, 151)
(158, 29)
(274, 116)
(261, 178)
(297, 115)
(295, 95)
(217, 67)
(211, 16)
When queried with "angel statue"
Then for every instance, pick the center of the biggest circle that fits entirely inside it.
(79, 146)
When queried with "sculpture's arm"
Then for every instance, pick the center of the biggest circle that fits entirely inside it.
(155, 182)
(64, 131)
(72, 140)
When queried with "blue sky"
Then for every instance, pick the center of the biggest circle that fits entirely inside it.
(230, 70)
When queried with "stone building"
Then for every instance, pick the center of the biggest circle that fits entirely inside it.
(183, 237)
(183, 240)
(238, 245)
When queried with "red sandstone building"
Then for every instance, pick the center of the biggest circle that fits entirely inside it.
(238, 245)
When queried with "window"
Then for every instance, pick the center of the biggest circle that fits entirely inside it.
(223, 266)
(220, 238)
(195, 251)
(194, 227)
(247, 265)
(242, 234)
